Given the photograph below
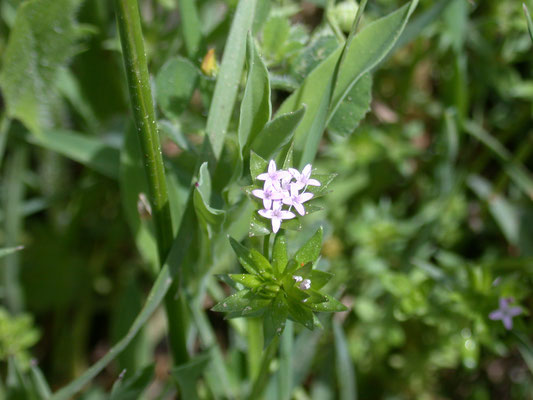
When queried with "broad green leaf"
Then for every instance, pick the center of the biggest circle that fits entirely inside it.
(174, 85)
(353, 108)
(9, 250)
(132, 388)
(310, 251)
(331, 305)
(275, 319)
(249, 280)
(279, 253)
(202, 193)
(275, 33)
(229, 76)
(255, 106)
(188, 374)
(366, 50)
(133, 185)
(40, 43)
(89, 151)
(277, 134)
(344, 366)
(320, 47)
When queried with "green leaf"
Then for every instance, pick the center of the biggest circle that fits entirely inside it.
(202, 193)
(330, 305)
(9, 250)
(229, 76)
(39, 383)
(89, 151)
(344, 365)
(279, 254)
(249, 280)
(258, 165)
(191, 26)
(366, 50)
(275, 34)
(243, 255)
(310, 251)
(40, 43)
(325, 180)
(132, 387)
(319, 278)
(275, 319)
(529, 21)
(261, 263)
(299, 313)
(277, 133)
(188, 374)
(243, 303)
(255, 107)
(353, 108)
(174, 85)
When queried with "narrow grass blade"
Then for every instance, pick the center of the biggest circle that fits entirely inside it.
(529, 21)
(191, 26)
(89, 151)
(343, 363)
(229, 76)
(9, 250)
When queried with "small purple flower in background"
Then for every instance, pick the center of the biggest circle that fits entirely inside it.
(296, 199)
(276, 215)
(303, 178)
(505, 313)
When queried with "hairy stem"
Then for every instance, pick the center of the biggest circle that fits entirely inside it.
(129, 24)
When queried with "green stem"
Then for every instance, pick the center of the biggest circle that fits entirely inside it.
(262, 378)
(129, 24)
(255, 345)
(266, 246)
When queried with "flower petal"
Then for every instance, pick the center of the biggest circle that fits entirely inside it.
(262, 177)
(307, 170)
(496, 314)
(508, 322)
(299, 208)
(265, 213)
(267, 203)
(272, 167)
(313, 182)
(276, 223)
(287, 215)
(258, 193)
(305, 197)
(514, 311)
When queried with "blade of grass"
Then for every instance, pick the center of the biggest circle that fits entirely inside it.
(13, 199)
(89, 151)
(190, 23)
(529, 21)
(229, 76)
(345, 371)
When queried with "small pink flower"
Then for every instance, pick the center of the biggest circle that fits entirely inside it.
(295, 199)
(268, 194)
(273, 176)
(303, 179)
(277, 215)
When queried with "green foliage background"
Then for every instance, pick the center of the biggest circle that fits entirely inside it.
(428, 222)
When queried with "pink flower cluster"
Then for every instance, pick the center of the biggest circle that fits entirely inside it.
(284, 188)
